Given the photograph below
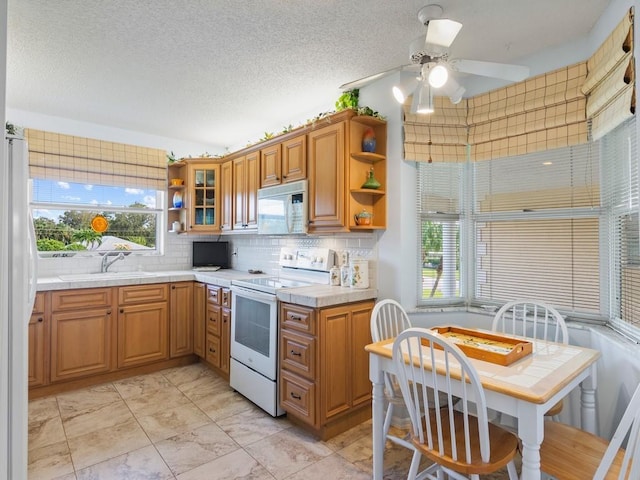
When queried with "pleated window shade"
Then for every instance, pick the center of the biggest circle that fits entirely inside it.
(541, 113)
(610, 82)
(83, 160)
(437, 137)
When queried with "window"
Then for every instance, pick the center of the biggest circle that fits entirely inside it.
(439, 209)
(621, 200)
(63, 214)
(94, 196)
(562, 226)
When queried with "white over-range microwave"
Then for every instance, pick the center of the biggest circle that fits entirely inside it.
(282, 209)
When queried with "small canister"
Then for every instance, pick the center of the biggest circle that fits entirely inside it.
(334, 275)
(345, 276)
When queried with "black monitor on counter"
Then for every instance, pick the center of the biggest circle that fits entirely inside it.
(210, 255)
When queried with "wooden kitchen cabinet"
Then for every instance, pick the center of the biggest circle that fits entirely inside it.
(82, 329)
(142, 324)
(199, 315)
(176, 171)
(218, 329)
(324, 369)
(226, 196)
(181, 319)
(203, 199)
(38, 332)
(246, 180)
(284, 162)
(326, 158)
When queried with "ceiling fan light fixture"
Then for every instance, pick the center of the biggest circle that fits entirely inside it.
(438, 76)
(453, 90)
(423, 101)
(404, 89)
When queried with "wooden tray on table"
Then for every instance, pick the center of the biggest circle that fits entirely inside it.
(485, 346)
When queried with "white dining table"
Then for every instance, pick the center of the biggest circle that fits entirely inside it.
(525, 389)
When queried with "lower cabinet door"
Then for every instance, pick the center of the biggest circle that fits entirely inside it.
(213, 353)
(80, 343)
(142, 334)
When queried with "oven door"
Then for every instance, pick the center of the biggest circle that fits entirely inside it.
(254, 330)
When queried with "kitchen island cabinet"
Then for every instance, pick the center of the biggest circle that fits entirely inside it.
(324, 383)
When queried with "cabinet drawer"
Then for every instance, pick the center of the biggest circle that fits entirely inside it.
(213, 319)
(83, 298)
(297, 397)
(212, 354)
(297, 353)
(298, 318)
(213, 294)
(156, 292)
(226, 298)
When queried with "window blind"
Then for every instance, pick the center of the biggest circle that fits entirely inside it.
(610, 83)
(83, 160)
(621, 201)
(536, 228)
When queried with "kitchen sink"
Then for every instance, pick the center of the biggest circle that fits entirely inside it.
(79, 277)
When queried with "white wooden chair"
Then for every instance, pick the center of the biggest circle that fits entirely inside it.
(462, 445)
(533, 319)
(388, 320)
(569, 453)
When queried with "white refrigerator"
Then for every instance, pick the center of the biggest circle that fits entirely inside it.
(17, 292)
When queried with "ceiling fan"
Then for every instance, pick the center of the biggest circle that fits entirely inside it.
(430, 60)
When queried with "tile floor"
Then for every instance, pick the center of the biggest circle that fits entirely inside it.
(186, 423)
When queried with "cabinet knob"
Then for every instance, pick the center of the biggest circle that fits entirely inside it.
(173, 287)
(122, 310)
(108, 312)
(40, 319)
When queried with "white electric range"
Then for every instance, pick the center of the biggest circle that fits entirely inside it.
(254, 323)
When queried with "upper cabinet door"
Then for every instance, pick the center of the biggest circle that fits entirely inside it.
(246, 179)
(271, 166)
(204, 198)
(294, 159)
(326, 178)
(226, 196)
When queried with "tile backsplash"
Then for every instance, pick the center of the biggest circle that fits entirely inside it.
(248, 251)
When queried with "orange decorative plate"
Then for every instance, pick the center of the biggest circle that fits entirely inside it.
(99, 224)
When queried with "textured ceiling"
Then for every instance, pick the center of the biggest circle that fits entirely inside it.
(221, 72)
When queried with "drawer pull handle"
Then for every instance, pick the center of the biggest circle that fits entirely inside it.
(212, 350)
(297, 354)
(296, 396)
(295, 317)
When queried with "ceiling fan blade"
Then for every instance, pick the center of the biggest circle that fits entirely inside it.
(442, 32)
(366, 80)
(514, 73)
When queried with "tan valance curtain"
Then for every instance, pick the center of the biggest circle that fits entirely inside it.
(610, 82)
(437, 137)
(541, 113)
(83, 160)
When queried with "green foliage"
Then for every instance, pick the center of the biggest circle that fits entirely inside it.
(348, 99)
(171, 157)
(49, 245)
(137, 239)
(87, 237)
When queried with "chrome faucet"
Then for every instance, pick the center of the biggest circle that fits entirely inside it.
(106, 263)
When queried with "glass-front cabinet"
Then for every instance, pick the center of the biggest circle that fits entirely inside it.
(204, 197)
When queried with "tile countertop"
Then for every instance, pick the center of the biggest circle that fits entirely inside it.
(315, 296)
